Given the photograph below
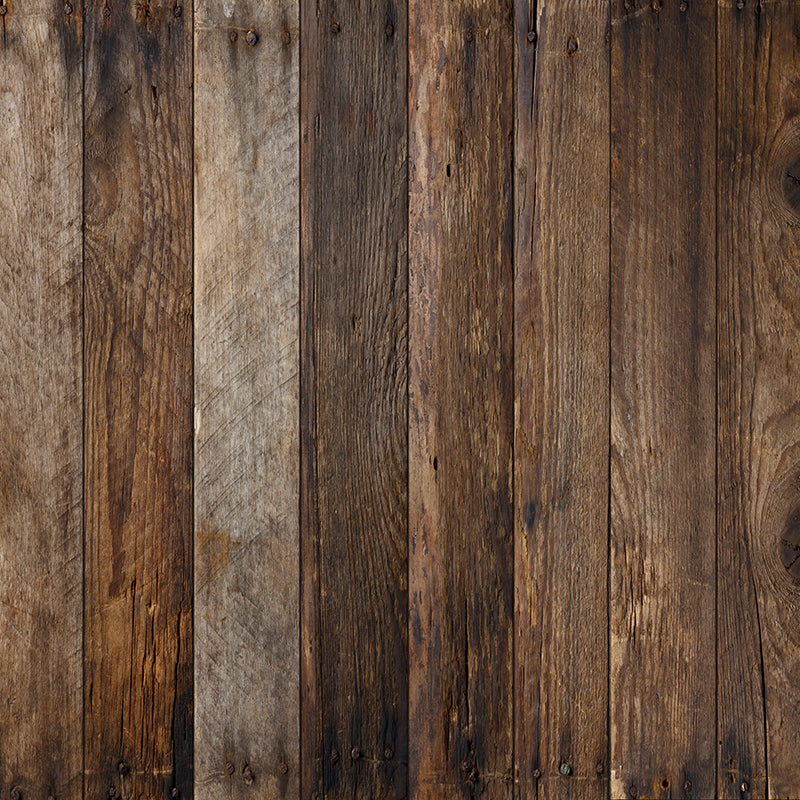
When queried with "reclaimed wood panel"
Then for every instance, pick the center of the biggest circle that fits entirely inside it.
(354, 399)
(138, 399)
(41, 602)
(461, 399)
(662, 601)
(759, 415)
(246, 490)
(562, 398)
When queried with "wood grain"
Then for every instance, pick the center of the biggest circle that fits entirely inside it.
(562, 398)
(138, 399)
(246, 399)
(461, 394)
(40, 400)
(354, 353)
(662, 399)
(759, 448)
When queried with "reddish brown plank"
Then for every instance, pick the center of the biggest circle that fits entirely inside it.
(354, 399)
(759, 448)
(138, 399)
(561, 375)
(662, 274)
(40, 399)
(461, 394)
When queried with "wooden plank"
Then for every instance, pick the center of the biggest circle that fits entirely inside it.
(246, 399)
(40, 399)
(354, 352)
(461, 395)
(662, 399)
(562, 398)
(759, 416)
(138, 399)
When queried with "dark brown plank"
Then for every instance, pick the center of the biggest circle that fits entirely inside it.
(663, 122)
(246, 399)
(759, 414)
(138, 396)
(354, 396)
(461, 399)
(561, 371)
(40, 399)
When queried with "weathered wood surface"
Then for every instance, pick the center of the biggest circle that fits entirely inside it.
(562, 398)
(354, 452)
(40, 400)
(662, 515)
(461, 396)
(138, 398)
(246, 489)
(758, 573)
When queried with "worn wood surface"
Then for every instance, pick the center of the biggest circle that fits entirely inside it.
(662, 515)
(40, 400)
(138, 399)
(562, 406)
(759, 446)
(354, 313)
(461, 395)
(246, 489)
(414, 413)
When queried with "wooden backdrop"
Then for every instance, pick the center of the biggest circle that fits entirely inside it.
(399, 399)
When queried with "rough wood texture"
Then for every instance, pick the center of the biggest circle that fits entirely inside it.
(138, 399)
(759, 413)
(40, 400)
(246, 399)
(354, 304)
(461, 394)
(562, 406)
(662, 399)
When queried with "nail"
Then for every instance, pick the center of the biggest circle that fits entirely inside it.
(740, 4)
(174, 791)
(627, 5)
(599, 768)
(687, 786)
(683, 6)
(745, 786)
(335, 27)
(3, 11)
(123, 768)
(250, 37)
(565, 769)
(106, 11)
(656, 6)
(389, 30)
(537, 773)
(388, 753)
(286, 37)
(633, 792)
(15, 791)
(283, 767)
(531, 37)
(572, 45)
(233, 36)
(177, 11)
(355, 754)
(334, 756)
(68, 8)
(247, 775)
(470, 35)
(229, 768)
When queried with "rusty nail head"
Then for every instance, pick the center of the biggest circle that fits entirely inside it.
(599, 768)
(112, 790)
(572, 45)
(537, 773)
(229, 768)
(334, 755)
(335, 27)
(174, 791)
(465, 766)
(565, 769)
(251, 37)
(15, 793)
(178, 10)
(627, 5)
(355, 753)
(531, 37)
(687, 786)
(286, 37)
(470, 35)
(656, 6)
(745, 786)
(106, 11)
(388, 753)
(233, 36)
(67, 8)
(633, 791)
(247, 775)
(683, 5)
(3, 10)
(389, 30)
(283, 767)
(123, 768)
(740, 4)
